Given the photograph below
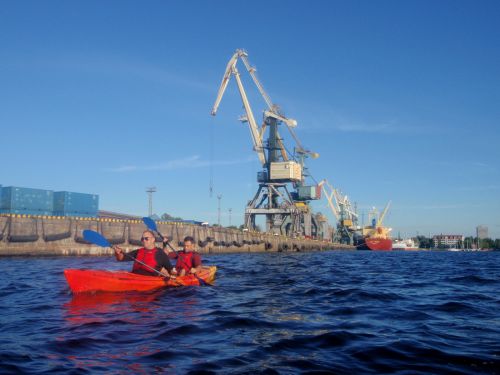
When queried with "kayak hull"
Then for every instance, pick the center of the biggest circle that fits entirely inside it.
(87, 280)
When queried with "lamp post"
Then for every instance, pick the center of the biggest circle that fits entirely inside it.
(219, 197)
(150, 191)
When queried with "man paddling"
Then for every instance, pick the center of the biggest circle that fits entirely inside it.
(188, 260)
(147, 259)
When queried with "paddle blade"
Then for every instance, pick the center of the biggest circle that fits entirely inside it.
(150, 223)
(95, 238)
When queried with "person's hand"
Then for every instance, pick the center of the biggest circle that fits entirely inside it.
(118, 250)
(165, 239)
(192, 271)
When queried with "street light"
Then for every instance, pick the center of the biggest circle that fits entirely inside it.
(219, 197)
(150, 191)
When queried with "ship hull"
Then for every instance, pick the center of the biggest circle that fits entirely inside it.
(375, 244)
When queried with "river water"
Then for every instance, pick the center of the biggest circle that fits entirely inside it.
(282, 313)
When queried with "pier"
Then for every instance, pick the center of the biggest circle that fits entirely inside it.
(26, 235)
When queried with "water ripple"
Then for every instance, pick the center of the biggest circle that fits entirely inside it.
(331, 312)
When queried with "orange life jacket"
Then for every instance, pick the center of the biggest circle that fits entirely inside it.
(184, 261)
(147, 257)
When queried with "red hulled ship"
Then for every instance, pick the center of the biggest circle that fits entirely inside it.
(376, 236)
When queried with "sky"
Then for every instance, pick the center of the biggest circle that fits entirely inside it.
(401, 99)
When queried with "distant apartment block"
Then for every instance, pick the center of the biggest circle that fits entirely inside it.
(482, 232)
(447, 240)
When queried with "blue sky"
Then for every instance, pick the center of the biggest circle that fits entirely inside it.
(400, 98)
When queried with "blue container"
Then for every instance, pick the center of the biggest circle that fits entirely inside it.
(67, 203)
(75, 214)
(27, 199)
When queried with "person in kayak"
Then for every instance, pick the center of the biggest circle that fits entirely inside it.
(187, 260)
(146, 259)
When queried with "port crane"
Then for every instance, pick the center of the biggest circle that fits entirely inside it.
(286, 212)
(346, 216)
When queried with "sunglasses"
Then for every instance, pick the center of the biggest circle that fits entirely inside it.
(145, 238)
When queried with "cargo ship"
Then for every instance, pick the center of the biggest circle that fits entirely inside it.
(375, 236)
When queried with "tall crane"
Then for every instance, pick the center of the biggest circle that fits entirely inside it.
(346, 216)
(273, 199)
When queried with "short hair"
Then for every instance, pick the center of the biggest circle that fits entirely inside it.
(150, 232)
(189, 238)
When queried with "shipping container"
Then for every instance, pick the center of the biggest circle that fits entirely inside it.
(347, 223)
(287, 170)
(308, 192)
(19, 198)
(67, 203)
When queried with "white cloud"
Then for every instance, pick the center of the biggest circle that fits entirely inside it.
(189, 162)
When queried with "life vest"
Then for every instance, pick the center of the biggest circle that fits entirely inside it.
(147, 257)
(184, 261)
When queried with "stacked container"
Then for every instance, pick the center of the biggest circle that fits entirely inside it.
(309, 192)
(68, 203)
(26, 201)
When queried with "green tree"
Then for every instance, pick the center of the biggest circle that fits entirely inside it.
(167, 217)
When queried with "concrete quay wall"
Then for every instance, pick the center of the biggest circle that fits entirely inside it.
(49, 235)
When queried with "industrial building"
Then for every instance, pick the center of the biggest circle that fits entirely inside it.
(447, 240)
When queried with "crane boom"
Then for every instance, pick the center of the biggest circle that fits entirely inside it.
(330, 197)
(254, 130)
(381, 217)
(252, 71)
(224, 83)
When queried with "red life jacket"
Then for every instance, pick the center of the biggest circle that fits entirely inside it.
(147, 257)
(184, 261)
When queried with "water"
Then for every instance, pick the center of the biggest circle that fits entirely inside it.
(339, 312)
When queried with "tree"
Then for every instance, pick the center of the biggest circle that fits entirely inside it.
(424, 242)
(167, 217)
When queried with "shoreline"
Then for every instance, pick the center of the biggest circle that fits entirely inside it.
(53, 235)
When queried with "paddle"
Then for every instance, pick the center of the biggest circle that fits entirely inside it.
(152, 226)
(99, 240)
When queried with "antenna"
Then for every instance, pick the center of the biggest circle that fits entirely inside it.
(230, 210)
(150, 191)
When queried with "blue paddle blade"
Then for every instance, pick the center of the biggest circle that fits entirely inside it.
(95, 238)
(150, 223)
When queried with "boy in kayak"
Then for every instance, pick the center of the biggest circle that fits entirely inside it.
(188, 260)
(148, 260)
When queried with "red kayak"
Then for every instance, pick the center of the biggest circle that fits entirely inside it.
(85, 280)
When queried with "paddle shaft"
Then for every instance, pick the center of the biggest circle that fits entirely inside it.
(144, 264)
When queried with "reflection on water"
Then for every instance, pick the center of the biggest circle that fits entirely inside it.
(93, 307)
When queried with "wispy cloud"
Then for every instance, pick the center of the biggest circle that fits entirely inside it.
(327, 119)
(450, 206)
(194, 161)
(479, 188)
(125, 68)
(367, 128)
(478, 166)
